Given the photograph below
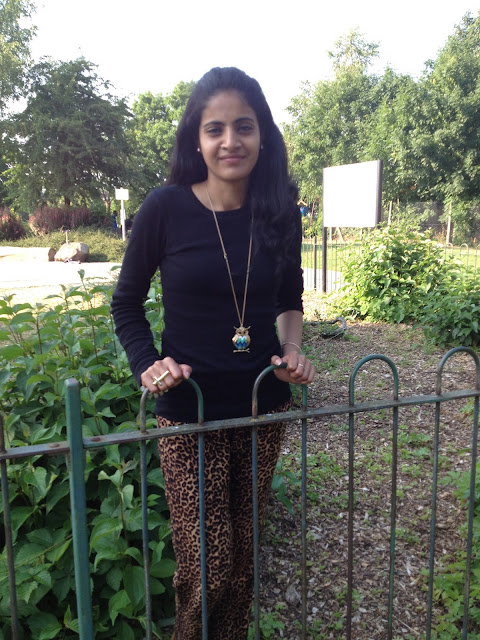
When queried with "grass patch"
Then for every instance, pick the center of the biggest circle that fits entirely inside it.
(104, 245)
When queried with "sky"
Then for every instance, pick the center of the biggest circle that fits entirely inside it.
(151, 45)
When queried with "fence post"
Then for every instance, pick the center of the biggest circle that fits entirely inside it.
(79, 508)
(7, 521)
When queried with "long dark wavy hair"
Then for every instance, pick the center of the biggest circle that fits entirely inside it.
(272, 195)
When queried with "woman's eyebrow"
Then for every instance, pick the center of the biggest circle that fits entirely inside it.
(221, 122)
(210, 122)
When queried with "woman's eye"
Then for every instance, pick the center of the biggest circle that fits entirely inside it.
(214, 131)
(245, 128)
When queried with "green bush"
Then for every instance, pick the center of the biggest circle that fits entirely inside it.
(466, 221)
(39, 349)
(451, 317)
(392, 276)
(11, 227)
(401, 275)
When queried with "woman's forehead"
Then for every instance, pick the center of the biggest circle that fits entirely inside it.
(227, 104)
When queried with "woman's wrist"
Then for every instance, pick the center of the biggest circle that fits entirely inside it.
(287, 344)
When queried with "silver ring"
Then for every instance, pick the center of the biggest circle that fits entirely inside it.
(301, 365)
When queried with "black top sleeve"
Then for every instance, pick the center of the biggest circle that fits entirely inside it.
(290, 289)
(141, 260)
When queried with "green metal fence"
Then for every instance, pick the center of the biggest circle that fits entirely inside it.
(76, 446)
(338, 253)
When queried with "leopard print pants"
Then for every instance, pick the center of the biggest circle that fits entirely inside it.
(228, 523)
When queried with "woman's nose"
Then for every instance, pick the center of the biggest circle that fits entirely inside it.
(231, 138)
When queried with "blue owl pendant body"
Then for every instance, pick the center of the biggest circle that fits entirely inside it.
(241, 339)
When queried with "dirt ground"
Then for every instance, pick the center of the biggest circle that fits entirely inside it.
(327, 487)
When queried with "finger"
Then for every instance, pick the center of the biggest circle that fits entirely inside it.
(147, 379)
(309, 373)
(162, 375)
(304, 372)
(186, 371)
(175, 373)
(296, 364)
(160, 381)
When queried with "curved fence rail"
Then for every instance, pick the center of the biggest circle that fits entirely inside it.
(76, 446)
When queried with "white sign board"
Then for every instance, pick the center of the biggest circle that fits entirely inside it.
(121, 194)
(352, 194)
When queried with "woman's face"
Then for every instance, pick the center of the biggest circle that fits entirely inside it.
(229, 137)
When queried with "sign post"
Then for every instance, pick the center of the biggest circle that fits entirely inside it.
(122, 195)
(352, 197)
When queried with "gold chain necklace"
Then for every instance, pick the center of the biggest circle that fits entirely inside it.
(241, 339)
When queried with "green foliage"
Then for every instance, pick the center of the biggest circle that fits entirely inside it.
(466, 217)
(39, 349)
(151, 136)
(401, 275)
(11, 228)
(452, 314)
(425, 130)
(270, 625)
(312, 227)
(392, 276)
(282, 480)
(448, 119)
(353, 52)
(449, 582)
(329, 121)
(69, 143)
(47, 219)
(15, 38)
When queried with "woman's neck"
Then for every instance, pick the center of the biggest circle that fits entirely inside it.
(223, 197)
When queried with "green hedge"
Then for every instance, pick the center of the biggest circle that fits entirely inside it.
(402, 275)
(39, 349)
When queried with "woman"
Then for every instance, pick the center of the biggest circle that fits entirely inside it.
(226, 235)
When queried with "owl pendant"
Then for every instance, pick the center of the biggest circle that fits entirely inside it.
(241, 339)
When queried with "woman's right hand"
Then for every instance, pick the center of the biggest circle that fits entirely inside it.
(171, 374)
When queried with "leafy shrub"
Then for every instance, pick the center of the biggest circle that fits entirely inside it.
(47, 219)
(466, 221)
(449, 583)
(11, 228)
(312, 227)
(40, 348)
(391, 277)
(100, 217)
(451, 317)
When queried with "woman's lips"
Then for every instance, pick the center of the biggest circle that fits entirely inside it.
(231, 158)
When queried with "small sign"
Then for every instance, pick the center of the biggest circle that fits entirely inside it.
(121, 194)
(352, 194)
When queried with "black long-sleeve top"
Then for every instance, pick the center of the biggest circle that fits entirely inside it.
(173, 231)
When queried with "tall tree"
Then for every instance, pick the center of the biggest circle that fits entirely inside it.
(352, 51)
(330, 120)
(389, 132)
(151, 135)
(71, 142)
(448, 130)
(14, 47)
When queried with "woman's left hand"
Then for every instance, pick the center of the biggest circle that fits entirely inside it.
(299, 369)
